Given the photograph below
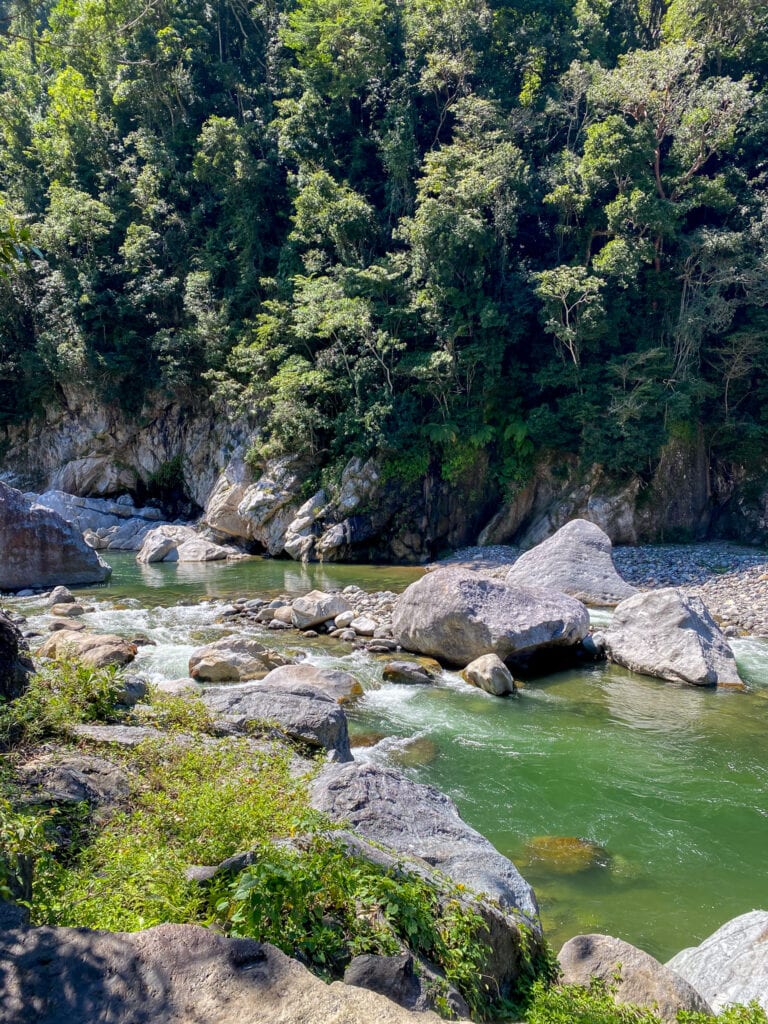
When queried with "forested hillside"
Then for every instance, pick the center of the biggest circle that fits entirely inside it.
(424, 229)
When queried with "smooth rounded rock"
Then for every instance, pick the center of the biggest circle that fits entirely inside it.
(489, 673)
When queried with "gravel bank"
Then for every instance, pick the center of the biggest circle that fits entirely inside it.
(731, 579)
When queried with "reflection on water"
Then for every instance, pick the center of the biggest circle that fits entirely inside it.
(671, 782)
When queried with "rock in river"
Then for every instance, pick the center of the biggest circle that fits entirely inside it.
(96, 650)
(671, 635)
(40, 549)
(316, 607)
(491, 674)
(731, 966)
(642, 979)
(234, 659)
(458, 615)
(576, 560)
(340, 685)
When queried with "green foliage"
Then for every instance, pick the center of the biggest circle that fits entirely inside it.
(323, 906)
(23, 840)
(59, 694)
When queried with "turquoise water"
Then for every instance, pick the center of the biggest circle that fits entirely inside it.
(670, 785)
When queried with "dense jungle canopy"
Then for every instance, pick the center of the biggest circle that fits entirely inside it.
(425, 228)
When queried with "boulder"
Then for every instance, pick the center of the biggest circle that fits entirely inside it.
(172, 974)
(15, 665)
(731, 966)
(40, 549)
(201, 550)
(642, 979)
(406, 672)
(300, 532)
(234, 659)
(431, 840)
(364, 625)
(157, 545)
(395, 978)
(302, 712)
(670, 635)
(96, 650)
(341, 686)
(180, 544)
(457, 615)
(316, 607)
(66, 623)
(577, 560)
(67, 611)
(116, 525)
(70, 778)
(60, 595)
(490, 673)
(370, 798)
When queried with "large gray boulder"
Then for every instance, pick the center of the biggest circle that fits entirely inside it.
(316, 607)
(172, 974)
(670, 635)
(577, 560)
(40, 549)
(15, 665)
(457, 615)
(336, 683)
(400, 824)
(731, 966)
(302, 712)
(385, 806)
(642, 979)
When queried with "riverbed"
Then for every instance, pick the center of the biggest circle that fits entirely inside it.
(667, 787)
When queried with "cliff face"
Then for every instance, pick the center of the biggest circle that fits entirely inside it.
(87, 449)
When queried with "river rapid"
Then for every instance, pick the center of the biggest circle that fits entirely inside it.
(666, 787)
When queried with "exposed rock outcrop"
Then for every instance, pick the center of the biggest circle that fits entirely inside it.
(577, 561)
(40, 549)
(642, 979)
(670, 635)
(170, 543)
(457, 615)
(731, 966)
(107, 524)
(172, 974)
(303, 712)
(71, 778)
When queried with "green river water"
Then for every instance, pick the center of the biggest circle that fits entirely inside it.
(670, 784)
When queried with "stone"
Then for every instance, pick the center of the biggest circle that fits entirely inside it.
(566, 855)
(458, 615)
(731, 965)
(303, 712)
(406, 672)
(105, 524)
(15, 665)
(341, 686)
(370, 799)
(132, 690)
(96, 650)
(284, 614)
(65, 623)
(577, 560)
(12, 915)
(116, 735)
(343, 619)
(67, 610)
(70, 778)
(234, 659)
(157, 545)
(395, 978)
(364, 625)
(173, 974)
(432, 841)
(60, 595)
(489, 673)
(200, 550)
(316, 607)
(40, 549)
(670, 635)
(642, 979)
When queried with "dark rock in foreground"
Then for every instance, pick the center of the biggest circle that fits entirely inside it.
(671, 635)
(577, 560)
(40, 549)
(457, 615)
(171, 974)
(15, 665)
(642, 979)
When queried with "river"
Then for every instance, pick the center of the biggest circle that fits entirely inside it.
(669, 785)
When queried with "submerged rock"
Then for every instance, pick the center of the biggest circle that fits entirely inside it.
(670, 635)
(731, 966)
(568, 855)
(172, 974)
(458, 615)
(407, 673)
(641, 978)
(577, 561)
(40, 548)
